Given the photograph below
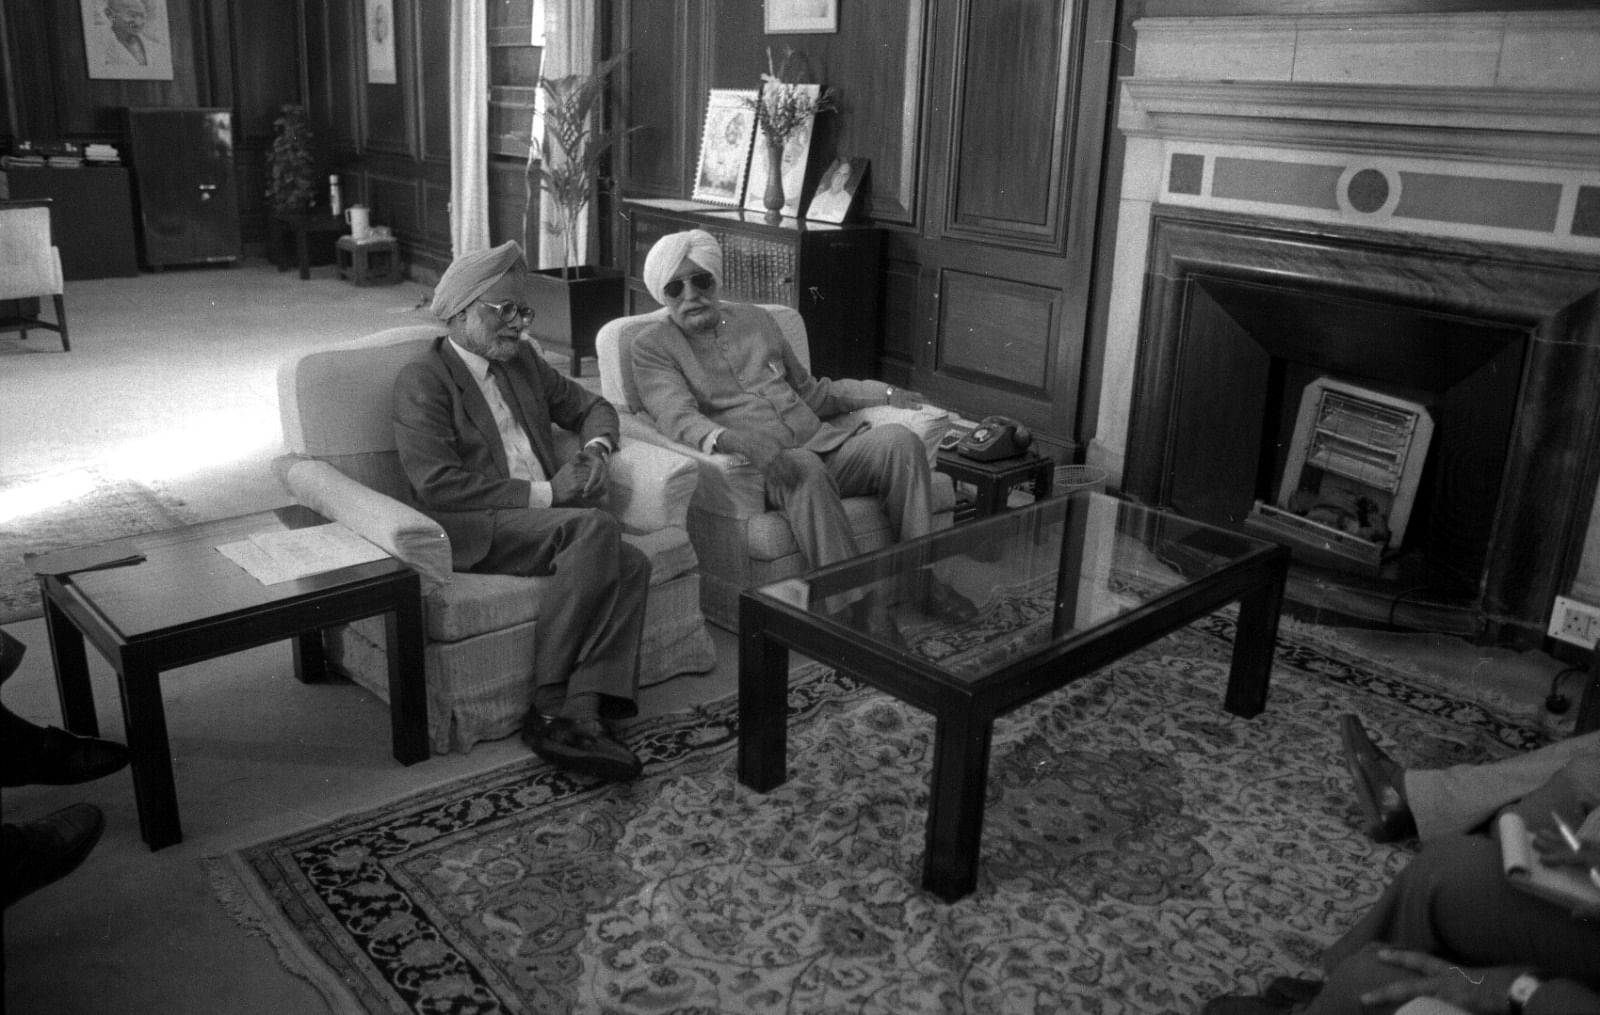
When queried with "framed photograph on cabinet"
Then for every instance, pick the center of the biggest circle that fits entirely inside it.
(127, 39)
(801, 17)
(835, 198)
(725, 146)
(796, 155)
(380, 43)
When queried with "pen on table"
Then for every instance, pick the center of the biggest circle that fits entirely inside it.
(1574, 844)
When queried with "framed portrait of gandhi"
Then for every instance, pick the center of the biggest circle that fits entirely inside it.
(725, 146)
(127, 39)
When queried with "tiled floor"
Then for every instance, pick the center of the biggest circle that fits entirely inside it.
(171, 379)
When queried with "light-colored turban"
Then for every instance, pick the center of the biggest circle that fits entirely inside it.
(470, 276)
(662, 262)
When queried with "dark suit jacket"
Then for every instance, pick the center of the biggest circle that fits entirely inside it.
(451, 450)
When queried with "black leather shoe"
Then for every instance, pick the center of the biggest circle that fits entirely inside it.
(943, 602)
(1379, 783)
(869, 614)
(46, 756)
(49, 849)
(11, 653)
(583, 747)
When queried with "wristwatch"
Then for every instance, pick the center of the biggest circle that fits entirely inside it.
(1521, 991)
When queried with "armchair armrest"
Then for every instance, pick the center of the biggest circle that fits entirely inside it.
(728, 485)
(397, 528)
(651, 486)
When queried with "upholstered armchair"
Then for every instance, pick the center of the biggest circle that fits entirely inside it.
(739, 542)
(30, 267)
(341, 462)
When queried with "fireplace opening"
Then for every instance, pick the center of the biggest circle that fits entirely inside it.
(1500, 345)
(1465, 373)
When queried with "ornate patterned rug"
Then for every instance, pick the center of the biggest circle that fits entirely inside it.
(1143, 851)
(52, 511)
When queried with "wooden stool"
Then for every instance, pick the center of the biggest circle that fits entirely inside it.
(369, 262)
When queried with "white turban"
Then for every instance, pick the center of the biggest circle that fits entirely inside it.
(662, 262)
(470, 276)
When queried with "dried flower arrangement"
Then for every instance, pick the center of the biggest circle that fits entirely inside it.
(784, 106)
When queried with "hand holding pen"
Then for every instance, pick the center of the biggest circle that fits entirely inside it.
(1563, 848)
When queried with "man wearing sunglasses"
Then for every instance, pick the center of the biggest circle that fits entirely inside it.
(472, 421)
(720, 376)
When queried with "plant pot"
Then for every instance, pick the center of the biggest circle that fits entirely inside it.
(571, 304)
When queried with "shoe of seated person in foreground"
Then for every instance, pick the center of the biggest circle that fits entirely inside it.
(1379, 784)
(46, 756)
(44, 851)
(1285, 995)
(586, 747)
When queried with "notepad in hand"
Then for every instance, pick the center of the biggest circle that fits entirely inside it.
(1565, 886)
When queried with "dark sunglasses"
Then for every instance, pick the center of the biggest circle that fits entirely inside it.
(510, 310)
(701, 280)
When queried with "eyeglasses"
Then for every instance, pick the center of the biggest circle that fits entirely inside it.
(701, 280)
(510, 310)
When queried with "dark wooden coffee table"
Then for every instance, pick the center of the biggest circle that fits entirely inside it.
(1091, 578)
(184, 603)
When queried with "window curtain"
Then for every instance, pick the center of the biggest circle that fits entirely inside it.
(569, 36)
(469, 126)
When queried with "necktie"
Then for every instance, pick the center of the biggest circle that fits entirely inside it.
(508, 393)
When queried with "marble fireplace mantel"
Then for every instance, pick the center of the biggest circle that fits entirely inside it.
(1443, 127)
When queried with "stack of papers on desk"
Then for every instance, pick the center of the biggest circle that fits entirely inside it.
(282, 556)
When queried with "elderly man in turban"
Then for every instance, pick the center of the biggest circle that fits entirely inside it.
(720, 376)
(472, 421)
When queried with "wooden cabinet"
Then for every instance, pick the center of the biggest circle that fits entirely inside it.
(827, 272)
(183, 171)
(91, 218)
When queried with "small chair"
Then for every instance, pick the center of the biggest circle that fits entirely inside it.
(30, 267)
(334, 403)
(739, 541)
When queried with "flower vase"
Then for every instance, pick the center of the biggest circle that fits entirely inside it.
(772, 200)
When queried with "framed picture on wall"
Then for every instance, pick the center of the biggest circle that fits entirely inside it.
(380, 42)
(127, 39)
(801, 17)
(835, 198)
(725, 146)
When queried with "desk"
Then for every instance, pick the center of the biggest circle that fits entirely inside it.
(91, 217)
(303, 225)
(185, 603)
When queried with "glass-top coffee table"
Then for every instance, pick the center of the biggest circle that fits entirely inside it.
(1063, 587)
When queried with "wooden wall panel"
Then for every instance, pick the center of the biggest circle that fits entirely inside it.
(389, 120)
(1015, 81)
(998, 332)
(662, 94)
(433, 78)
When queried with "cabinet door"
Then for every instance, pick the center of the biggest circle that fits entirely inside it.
(188, 205)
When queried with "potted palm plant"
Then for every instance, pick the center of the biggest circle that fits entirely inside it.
(573, 301)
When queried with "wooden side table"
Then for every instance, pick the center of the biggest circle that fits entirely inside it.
(368, 262)
(303, 225)
(178, 601)
(994, 481)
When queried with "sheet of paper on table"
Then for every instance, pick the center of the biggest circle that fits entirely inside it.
(288, 554)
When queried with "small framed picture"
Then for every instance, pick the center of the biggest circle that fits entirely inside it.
(801, 17)
(835, 198)
(380, 43)
(127, 39)
(725, 146)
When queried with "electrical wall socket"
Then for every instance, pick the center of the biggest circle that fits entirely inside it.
(1575, 623)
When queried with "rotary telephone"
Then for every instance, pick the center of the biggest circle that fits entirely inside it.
(996, 437)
